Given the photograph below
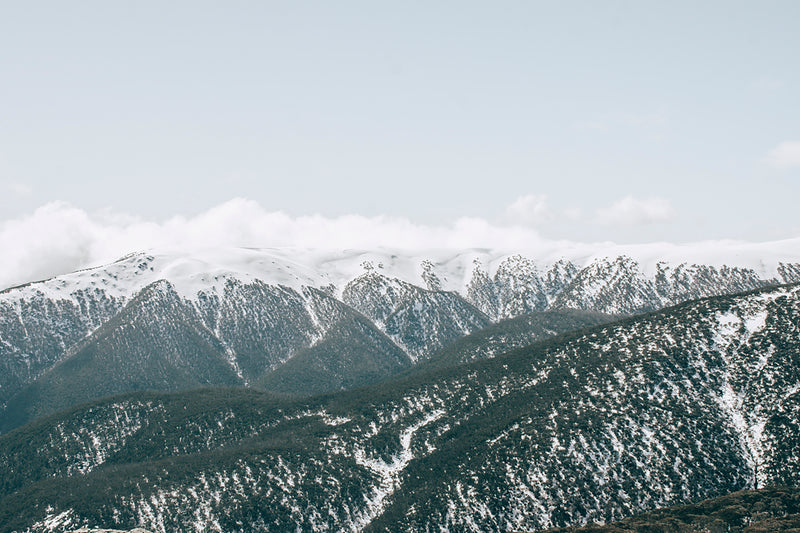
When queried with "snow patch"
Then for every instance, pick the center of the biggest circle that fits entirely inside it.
(388, 473)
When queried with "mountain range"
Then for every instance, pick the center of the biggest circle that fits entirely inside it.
(370, 391)
(260, 318)
(691, 402)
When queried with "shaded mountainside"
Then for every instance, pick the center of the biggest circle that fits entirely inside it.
(514, 333)
(747, 511)
(680, 405)
(352, 353)
(132, 351)
(37, 331)
(261, 326)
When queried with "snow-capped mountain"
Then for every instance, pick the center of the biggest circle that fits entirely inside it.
(249, 312)
(690, 402)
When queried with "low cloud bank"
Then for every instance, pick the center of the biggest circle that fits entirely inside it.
(58, 238)
(785, 156)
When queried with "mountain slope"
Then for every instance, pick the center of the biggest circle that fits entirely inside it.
(420, 321)
(620, 286)
(518, 286)
(352, 352)
(747, 511)
(260, 325)
(36, 331)
(155, 343)
(513, 333)
(688, 403)
(621, 418)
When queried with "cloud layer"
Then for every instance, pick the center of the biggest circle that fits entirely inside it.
(785, 156)
(529, 210)
(59, 238)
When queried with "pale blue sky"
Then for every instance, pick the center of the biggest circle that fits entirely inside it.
(627, 121)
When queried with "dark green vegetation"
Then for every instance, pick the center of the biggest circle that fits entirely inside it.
(352, 353)
(513, 333)
(120, 356)
(747, 511)
(688, 403)
(35, 333)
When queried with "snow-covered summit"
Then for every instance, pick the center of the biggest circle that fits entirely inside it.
(528, 272)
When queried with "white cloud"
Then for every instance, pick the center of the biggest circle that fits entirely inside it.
(573, 214)
(631, 211)
(59, 238)
(529, 210)
(785, 156)
(55, 238)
